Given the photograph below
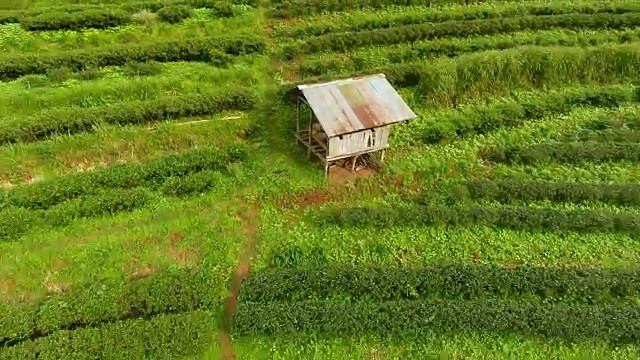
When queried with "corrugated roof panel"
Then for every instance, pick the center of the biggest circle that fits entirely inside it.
(350, 105)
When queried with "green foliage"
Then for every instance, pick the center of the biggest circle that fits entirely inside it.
(198, 49)
(77, 120)
(488, 118)
(147, 68)
(569, 153)
(382, 20)
(192, 184)
(455, 282)
(609, 135)
(614, 324)
(45, 194)
(175, 13)
(291, 8)
(411, 33)
(545, 219)
(93, 305)
(164, 336)
(445, 82)
(532, 190)
(89, 19)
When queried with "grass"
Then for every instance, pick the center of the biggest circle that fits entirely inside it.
(277, 199)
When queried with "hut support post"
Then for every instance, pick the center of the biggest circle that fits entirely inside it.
(310, 138)
(298, 117)
(353, 164)
(382, 155)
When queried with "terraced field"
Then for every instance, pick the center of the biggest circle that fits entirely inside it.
(154, 203)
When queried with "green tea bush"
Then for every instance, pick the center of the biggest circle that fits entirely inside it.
(93, 305)
(383, 20)
(174, 14)
(291, 8)
(608, 135)
(410, 319)
(488, 118)
(514, 217)
(196, 49)
(533, 190)
(412, 33)
(570, 153)
(77, 120)
(455, 282)
(191, 184)
(89, 19)
(45, 194)
(163, 336)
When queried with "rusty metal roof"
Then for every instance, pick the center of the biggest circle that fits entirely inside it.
(350, 105)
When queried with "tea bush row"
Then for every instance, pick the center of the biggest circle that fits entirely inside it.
(569, 153)
(412, 33)
(293, 8)
(609, 135)
(381, 20)
(96, 304)
(488, 118)
(152, 174)
(533, 190)
(514, 217)
(410, 319)
(78, 120)
(194, 49)
(462, 282)
(163, 336)
(451, 81)
(91, 16)
(452, 47)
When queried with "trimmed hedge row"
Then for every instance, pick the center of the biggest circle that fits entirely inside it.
(93, 19)
(198, 49)
(452, 47)
(291, 8)
(97, 304)
(615, 324)
(462, 282)
(78, 120)
(609, 135)
(488, 118)
(153, 174)
(163, 336)
(16, 221)
(447, 82)
(381, 21)
(504, 217)
(98, 16)
(532, 190)
(570, 153)
(411, 33)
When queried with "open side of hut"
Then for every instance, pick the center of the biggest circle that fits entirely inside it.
(349, 118)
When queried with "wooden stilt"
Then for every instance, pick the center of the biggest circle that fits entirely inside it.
(353, 164)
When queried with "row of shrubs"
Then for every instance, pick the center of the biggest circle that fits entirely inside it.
(570, 153)
(462, 282)
(291, 8)
(532, 190)
(103, 17)
(608, 135)
(96, 304)
(160, 337)
(434, 15)
(411, 319)
(481, 120)
(452, 81)
(152, 174)
(76, 120)
(207, 49)
(411, 33)
(513, 217)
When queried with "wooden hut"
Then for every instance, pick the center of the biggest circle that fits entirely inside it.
(349, 118)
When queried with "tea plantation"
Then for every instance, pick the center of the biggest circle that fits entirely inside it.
(154, 203)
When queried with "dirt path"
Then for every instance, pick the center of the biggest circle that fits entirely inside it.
(247, 254)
